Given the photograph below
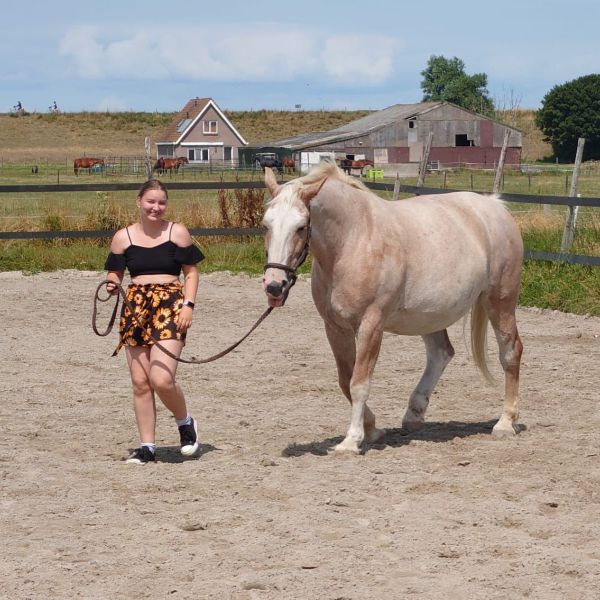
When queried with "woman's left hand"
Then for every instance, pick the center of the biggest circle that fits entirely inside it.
(185, 319)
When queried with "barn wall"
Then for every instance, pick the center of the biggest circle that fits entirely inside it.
(403, 143)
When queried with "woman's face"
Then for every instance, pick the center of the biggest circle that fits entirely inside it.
(152, 205)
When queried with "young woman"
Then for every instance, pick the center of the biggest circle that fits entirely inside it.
(155, 252)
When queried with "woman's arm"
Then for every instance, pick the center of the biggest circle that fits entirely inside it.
(117, 246)
(181, 236)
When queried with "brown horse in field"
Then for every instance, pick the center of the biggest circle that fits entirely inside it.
(86, 163)
(413, 268)
(289, 165)
(347, 164)
(163, 165)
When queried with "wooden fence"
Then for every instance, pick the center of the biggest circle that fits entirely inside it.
(214, 185)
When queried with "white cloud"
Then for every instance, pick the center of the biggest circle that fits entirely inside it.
(365, 58)
(229, 53)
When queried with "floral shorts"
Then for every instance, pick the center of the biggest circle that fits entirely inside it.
(156, 312)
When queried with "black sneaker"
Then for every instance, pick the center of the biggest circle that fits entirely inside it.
(141, 456)
(188, 434)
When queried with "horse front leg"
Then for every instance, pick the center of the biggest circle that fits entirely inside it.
(362, 423)
(439, 353)
(343, 346)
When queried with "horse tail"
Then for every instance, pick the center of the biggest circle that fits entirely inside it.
(479, 327)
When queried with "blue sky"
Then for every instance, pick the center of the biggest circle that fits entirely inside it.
(251, 55)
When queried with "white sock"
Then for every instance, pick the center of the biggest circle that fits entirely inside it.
(185, 421)
(150, 446)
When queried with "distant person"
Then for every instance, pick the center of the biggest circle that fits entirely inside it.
(155, 251)
(18, 106)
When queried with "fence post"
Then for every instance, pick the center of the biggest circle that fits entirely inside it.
(500, 167)
(147, 161)
(424, 159)
(396, 193)
(571, 218)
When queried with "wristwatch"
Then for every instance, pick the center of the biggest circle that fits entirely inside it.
(189, 303)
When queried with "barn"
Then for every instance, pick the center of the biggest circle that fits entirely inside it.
(201, 133)
(395, 138)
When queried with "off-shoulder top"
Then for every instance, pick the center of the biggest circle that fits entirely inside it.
(163, 259)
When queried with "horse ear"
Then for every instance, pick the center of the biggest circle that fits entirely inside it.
(308, 192)
(271, 182)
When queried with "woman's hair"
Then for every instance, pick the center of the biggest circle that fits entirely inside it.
(153, 184)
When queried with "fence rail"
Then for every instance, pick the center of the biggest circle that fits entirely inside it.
(229, 231)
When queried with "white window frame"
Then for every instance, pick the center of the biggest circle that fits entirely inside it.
(210, 127)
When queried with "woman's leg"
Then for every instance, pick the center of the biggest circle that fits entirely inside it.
(162, 377)
(144, 406)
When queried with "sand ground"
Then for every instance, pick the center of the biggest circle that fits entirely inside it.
(266, 511)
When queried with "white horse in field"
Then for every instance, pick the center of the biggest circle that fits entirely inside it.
(411, 267)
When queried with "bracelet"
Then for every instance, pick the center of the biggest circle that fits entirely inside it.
(189, 303)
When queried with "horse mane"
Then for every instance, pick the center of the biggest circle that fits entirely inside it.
(327, 169)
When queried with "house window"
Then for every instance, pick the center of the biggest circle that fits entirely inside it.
(411, 124)
(198, 154)
(227, 153)
(461, 139)
(209, 127)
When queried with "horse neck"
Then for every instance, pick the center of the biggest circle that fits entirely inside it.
(333, 217)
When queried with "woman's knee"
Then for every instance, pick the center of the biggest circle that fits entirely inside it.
(162, 381)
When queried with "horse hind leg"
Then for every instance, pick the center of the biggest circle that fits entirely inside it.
(439, 353)
(501, 310)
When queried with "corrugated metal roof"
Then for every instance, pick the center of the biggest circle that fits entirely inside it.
(356, 128)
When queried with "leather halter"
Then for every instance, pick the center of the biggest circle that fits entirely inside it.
(291, 271)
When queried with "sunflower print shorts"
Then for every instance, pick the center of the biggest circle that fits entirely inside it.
(157, 307)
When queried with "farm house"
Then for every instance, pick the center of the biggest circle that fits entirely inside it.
(201, 133)
(395, 138)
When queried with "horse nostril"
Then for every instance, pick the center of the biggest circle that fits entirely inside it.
(275, 289)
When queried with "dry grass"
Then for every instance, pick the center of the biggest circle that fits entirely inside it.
(57, 138)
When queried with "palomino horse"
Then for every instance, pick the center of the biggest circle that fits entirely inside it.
(348, 164)
(86, 163)
(162, 165)
(412, 267)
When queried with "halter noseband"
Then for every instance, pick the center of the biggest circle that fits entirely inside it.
(291, 271)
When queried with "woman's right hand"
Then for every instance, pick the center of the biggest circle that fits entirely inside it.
(112, 288)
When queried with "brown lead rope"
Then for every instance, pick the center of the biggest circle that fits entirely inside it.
(192, 361)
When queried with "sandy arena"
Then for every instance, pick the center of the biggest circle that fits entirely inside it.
(266, 511)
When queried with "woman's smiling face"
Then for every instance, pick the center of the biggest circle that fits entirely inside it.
(152, 204)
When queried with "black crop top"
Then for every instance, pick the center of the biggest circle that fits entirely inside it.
(163, 259)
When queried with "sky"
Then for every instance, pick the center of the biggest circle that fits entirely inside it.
(148, 55)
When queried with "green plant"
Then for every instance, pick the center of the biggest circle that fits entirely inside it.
(570, 111)
(445, 79)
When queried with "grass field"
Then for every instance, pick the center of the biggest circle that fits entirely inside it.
(59, 138)
(51, 142)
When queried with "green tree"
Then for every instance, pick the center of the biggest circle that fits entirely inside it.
(570, 111)
(445, 79)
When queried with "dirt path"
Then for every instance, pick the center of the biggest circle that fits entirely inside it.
(266, 512)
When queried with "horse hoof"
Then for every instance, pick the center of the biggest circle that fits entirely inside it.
(347, 447)
(375, 435)
(412, 425)
(503, 429)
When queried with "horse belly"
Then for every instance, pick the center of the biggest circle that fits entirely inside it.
(430, 314)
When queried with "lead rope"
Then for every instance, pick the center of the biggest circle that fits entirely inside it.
(191, 361)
